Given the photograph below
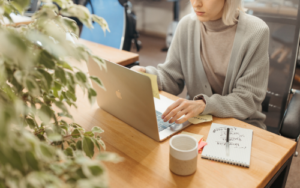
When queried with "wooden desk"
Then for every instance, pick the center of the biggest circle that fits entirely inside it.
(147, 161)
(111, 54)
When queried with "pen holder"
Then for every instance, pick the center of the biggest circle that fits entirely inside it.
(183, 155)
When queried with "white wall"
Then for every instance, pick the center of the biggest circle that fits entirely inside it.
(154, 17)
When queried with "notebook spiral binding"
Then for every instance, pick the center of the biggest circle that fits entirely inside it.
(217, 159)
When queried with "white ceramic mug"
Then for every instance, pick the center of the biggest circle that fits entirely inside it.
(183, 154)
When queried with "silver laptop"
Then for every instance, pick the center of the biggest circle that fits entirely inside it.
(128, 96)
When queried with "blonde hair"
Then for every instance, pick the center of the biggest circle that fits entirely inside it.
(229, 11)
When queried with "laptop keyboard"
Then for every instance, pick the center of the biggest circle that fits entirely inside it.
(160, 122)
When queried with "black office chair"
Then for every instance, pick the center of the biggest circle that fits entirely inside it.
(33, 7)
(284, 23)
(282, 103)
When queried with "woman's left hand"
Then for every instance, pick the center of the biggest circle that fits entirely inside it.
(183, 107)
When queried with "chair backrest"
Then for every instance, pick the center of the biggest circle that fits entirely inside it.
(283, 19)
(114, 14)
(33, 7)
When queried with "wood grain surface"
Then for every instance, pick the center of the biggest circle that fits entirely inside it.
(146, 161)
(111, 54)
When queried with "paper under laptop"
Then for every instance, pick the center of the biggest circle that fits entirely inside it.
(162, 104)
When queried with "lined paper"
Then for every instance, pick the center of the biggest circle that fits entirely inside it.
(240, 141)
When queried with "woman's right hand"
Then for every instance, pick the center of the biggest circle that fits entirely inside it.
(138, 69)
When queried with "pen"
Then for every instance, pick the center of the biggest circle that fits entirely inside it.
(227, 142)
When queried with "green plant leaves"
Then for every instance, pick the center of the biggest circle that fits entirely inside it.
(47, 76)
(96, 170)
(79, 145)
(32, 87)
(3, 74)
(45, 113)
(60, 3)
(20, 5)
(101, 63)
(97, 81)
(76, 133)
(81, 12)
(54, 136)
(35, 75)
(17, 40)
(70, 25)
(46, 151)
(69, 152)
(89, 134)
(88, 146)
(19, 76)
(31, 160)
(62, 106)
(65, 65)
(108, 156)
(81, 77)
(83, 53)
(61, 75)
(46, 59)
(15, 159)
(2, 184)
(71, 95)
(101, 22)
(73, 146)
(97, 130)
(97, 144)
(70, 79)
(102, 144)
(32, 123)
(92, 95)
(75, 125)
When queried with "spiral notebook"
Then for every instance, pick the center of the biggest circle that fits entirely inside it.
(240, 142)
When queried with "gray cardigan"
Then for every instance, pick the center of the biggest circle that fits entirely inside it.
(246, 80)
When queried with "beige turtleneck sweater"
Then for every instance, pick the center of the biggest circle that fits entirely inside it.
(246, 81)
(215, 49)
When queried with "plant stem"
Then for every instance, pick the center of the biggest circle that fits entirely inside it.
(72, 135)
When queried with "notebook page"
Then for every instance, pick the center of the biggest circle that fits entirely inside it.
(240, 141)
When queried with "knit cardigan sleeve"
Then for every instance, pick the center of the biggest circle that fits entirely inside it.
(250, 87)
(170, 77)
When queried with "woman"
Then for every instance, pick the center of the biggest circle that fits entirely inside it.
(221, 54)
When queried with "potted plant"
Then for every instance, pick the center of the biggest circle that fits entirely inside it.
(38, 148)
